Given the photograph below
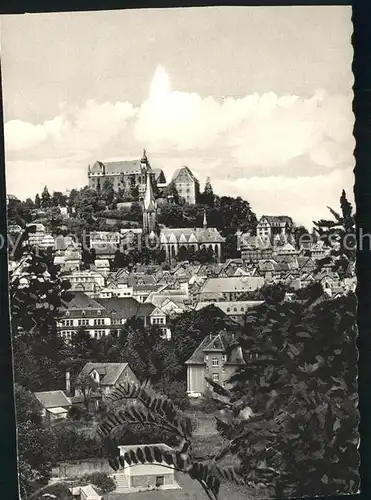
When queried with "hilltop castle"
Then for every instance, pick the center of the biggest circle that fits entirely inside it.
(125, 175)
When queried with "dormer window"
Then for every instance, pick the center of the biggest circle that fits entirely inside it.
(67, 313)
(83, 313)
(99, 313)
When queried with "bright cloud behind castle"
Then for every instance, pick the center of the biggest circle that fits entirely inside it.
(282, 147)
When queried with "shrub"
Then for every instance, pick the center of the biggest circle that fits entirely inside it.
(101, 480)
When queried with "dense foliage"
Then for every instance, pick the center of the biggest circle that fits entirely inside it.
(299, 384)
(340, 235)
(159, 412)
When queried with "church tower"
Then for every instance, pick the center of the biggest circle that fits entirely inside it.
(149, 208)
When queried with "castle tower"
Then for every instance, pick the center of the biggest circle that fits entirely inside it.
(205, 221)
(149, 208)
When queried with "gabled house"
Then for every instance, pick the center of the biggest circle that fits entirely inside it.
(159, 319)
(270, 226)
(235, 310)
(107, 376)
(55, 405)
(212, 359)
(186, 184)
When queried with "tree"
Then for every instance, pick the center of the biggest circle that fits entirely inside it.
(45, 199)
(36, 443)
(170, 193)
(171, 215)
(59, 199)
(290, 416)
(88, 388)
(37, 201)
(108, 193)
(208, 197)
(340, 236)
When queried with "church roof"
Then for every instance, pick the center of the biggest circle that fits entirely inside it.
(191, 235)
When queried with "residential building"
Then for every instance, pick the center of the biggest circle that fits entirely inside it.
(84, 312)
(114, 290)
(270, 226)
(107, 376)
(254, 248)
(89, 282)
(102, 239)
(144, 477)
(54, 405)
(187, 185)
(39, 237)
(102, 267)
(235, 310)
(159, 319)
(228, 289)
(124, 175)
(214, 358)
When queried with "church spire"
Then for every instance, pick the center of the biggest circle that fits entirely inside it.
(205, 220)
(144, 157)
(149, 198)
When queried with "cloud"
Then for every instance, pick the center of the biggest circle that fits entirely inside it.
(282, 153)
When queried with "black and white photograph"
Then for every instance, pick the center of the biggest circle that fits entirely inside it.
(181, 245)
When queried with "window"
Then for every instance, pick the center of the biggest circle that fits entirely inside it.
(216, 377)
(160, 481)
(215, 362)
(224, 357)
(206, 357)
(83, 313)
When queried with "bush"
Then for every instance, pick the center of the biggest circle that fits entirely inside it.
(75, 445)
(101, 480)
(58, 491)
(207, 404)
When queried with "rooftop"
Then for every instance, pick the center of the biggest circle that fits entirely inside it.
(53, 399)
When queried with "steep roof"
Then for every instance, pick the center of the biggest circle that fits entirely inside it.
(81, 301)
(109, 372)
(145, 310)
(53, 399)
(123, 307)
(220, 342)
(185, 171)
(191, 235)
(149, 202)
(277, 220)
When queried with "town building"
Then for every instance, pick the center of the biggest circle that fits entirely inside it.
(177, 240)
(144, 477)
(235, 310)
(87, 281)
(253, 248)
(102, 239)
(187, 185)
(124, 175)
(54, 405)
(107, 377)
(228, 289)
(214, 358)
(270, 226)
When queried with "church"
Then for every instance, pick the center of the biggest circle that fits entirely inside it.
(125, 175)
(173, 240)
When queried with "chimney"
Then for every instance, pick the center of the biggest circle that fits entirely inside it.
(68, 383)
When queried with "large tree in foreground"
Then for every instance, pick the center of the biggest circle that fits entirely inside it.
(340, 235)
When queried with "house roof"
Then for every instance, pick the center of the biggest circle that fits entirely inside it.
(232, 308)
(109, 372)
(81, 301)
(232, 284)
(53, 399)
(122, 307)
(276, 220)
(145, 310)
(249, 242)
(219, 342)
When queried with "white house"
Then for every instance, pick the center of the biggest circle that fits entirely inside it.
(144, 477)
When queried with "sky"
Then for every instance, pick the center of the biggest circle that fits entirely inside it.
(257, 98)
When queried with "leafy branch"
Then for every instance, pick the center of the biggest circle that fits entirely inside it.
(159, 411)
